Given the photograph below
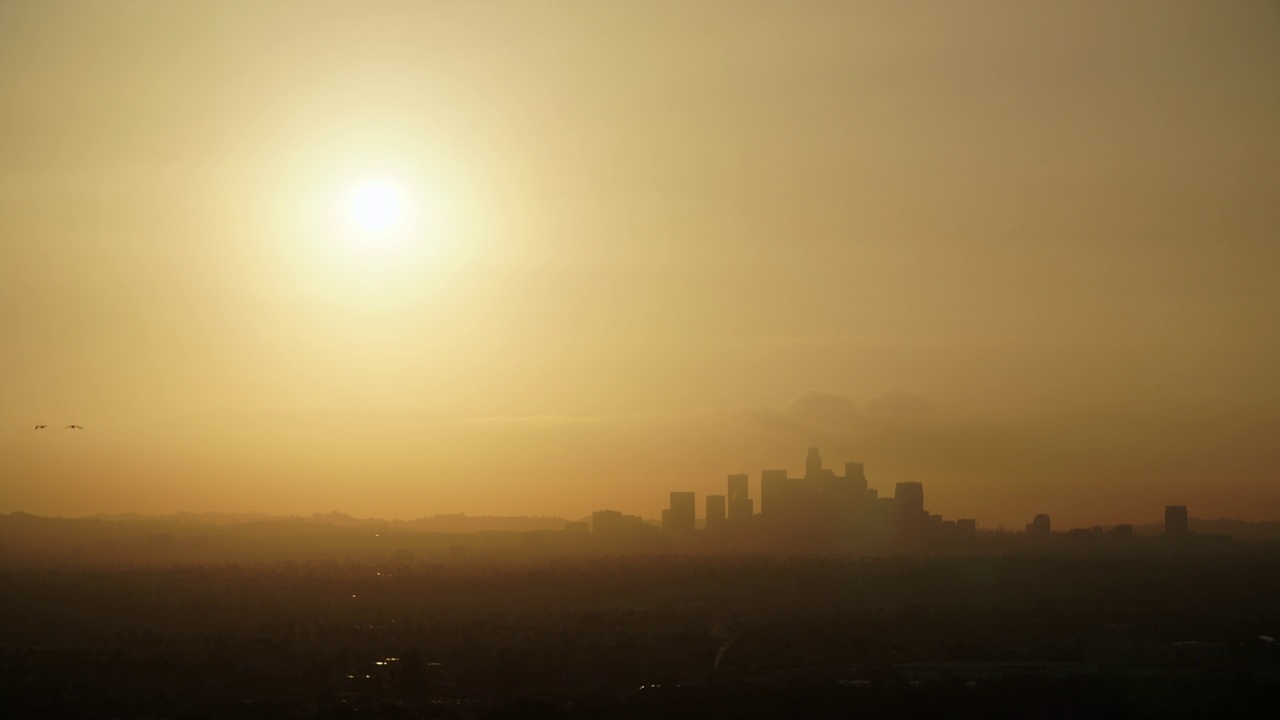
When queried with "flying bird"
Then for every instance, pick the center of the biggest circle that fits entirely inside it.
(41, 427)
(73, 427)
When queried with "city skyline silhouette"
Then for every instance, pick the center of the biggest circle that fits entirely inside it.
(749, 359)
(440, 259)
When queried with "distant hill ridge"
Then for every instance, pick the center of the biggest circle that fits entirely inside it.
(446, 523)
(458, 523)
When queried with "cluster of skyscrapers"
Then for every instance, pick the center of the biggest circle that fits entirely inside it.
(818, 506)
(821, 508)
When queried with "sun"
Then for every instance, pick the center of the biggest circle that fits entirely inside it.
(375, 208)
(372, 219)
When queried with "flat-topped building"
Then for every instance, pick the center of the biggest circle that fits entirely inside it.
(716, 515)
(1175, 520)
(682, 514)
(741, 506)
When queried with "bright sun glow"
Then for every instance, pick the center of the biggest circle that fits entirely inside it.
(380, 218)
(375, 207)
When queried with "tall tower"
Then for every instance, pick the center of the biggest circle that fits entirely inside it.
(1175, 521)
(813, 464)
(856, 477)
(715, 511)
(773, 491)
(681, 515)
(740, 505)
(910, 498)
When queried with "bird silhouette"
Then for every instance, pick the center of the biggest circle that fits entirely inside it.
(41, 427)
(73, 427)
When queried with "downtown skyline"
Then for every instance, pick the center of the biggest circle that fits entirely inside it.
(433, 257)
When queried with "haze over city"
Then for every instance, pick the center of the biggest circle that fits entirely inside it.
(404, 259)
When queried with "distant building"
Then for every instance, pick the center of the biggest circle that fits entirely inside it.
(856, 477)
(716, 515)
(1039, 526)
(822, 502)
(910, 521)
(775, 490)
(1122, 532)
(602, 521)
(682, 516)
(813, 464)
(819, 508)
(741, 507)
(576, 527)
(1175, 520)
(613, 524)
(910, 498)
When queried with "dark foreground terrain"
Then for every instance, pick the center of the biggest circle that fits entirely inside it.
(639, 637)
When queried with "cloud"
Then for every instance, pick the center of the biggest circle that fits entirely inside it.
(900, 407)
(825, 410)
(535, 421)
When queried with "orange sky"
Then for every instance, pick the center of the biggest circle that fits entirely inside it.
(1025, 253)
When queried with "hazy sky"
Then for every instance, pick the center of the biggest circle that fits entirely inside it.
(1024, 252)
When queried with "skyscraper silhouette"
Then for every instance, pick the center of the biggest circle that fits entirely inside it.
(856, 477)
(774, 488)
(813, 464)
(910, 498)
(715, 511)
(682, 514)
(741, 507)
